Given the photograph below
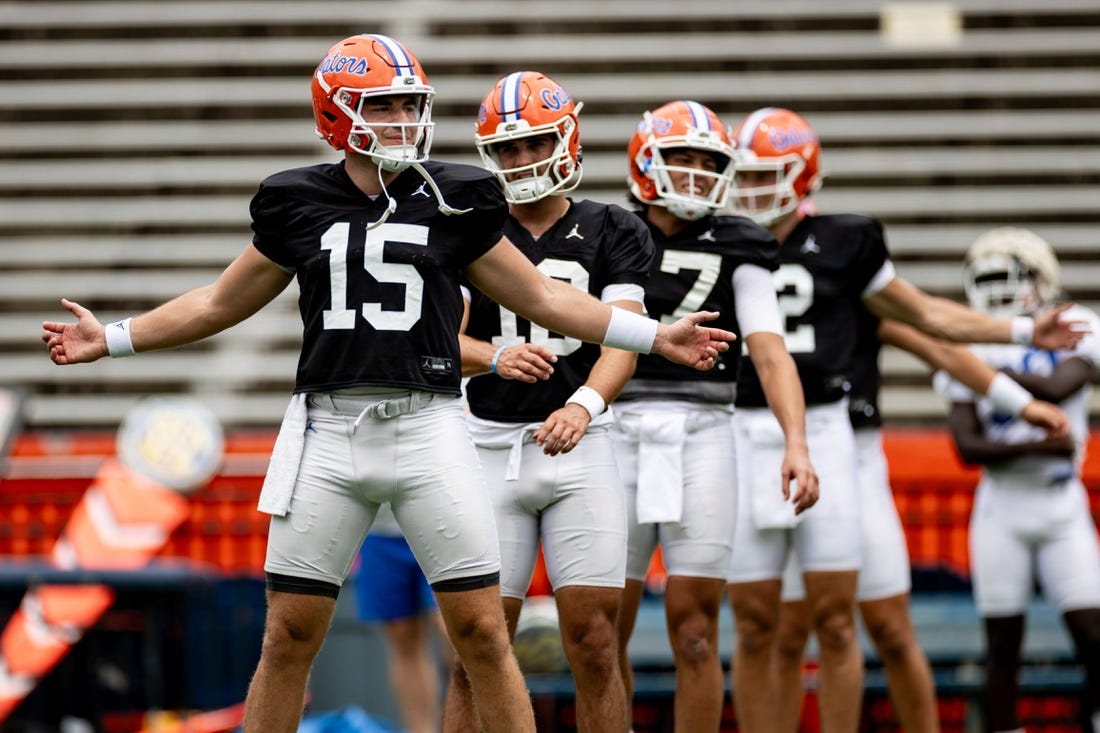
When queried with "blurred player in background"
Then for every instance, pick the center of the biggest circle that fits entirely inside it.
(538, 402)
(885, 576)
(833, 269)
(393, 593)
(377, 243)
(1031, 519)
(674, 438)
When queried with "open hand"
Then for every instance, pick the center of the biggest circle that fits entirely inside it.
(75, 343)
(689, 342)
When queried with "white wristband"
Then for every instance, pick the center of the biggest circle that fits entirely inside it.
(589, 399)
(1023, 329)
(118, 338)
(1007, 395)
(630, 332)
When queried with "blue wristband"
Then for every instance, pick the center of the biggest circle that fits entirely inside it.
(496, 358)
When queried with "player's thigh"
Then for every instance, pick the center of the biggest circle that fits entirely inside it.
(701, 544)
(327, 518)
(641, 537)
(440, 498)
(885, 569)
(1000, 563)
(584, 530)
(758, 554)
(829, 537)
(1069, 564)
(516, 509)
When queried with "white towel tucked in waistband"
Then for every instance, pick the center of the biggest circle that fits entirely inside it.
(282, 471)
(495, 435)
(660, 467)
(769, 509)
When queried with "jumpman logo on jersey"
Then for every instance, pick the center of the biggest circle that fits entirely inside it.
(810, 246)
(421, 192)
(574, 234)
(707, 236)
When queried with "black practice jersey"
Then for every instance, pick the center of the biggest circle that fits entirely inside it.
(380, 306)
(865, 376)
(826, 263)
(693, 271)
(594, 245)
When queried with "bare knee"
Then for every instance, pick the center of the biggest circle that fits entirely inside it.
(591, 645)
(793, 631)
(295, 629)
(893, 638)
(693, 638)
(835, 628)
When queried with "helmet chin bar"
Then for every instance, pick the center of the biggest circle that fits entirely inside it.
(556, 174)
(526, 190)
(687, 209)
(392, 158)
(688, 206)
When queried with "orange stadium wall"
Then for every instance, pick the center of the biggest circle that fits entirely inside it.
(47, 474)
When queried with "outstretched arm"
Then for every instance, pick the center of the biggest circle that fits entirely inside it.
(506, 276)
(961, 363)
(246, 285)
(945, 319)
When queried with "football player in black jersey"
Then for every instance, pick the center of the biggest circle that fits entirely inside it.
(674, 435)
(834, 271)
(546, 445)
(377, 243)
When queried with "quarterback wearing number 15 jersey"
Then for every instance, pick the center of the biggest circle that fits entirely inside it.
(380, 306)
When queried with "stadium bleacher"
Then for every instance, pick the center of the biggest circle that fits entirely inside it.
(134, 133)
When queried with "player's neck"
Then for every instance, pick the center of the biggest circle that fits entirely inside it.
(783, 228)
(668, 223)
(538, 216)
(364, 174)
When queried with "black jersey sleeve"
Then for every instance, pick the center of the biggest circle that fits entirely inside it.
(466, 187)
(753, 244)
(270, 213)
(870, 241)
(630, 250)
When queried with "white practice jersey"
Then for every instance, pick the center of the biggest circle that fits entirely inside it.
(1032, 470)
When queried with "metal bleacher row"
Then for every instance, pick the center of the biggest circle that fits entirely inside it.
(133, 134)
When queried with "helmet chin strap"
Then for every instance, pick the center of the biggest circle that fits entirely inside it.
(391, 206)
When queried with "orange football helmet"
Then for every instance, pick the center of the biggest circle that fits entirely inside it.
(526, 104)
(677, 125)
(778, 142)
(357, 69)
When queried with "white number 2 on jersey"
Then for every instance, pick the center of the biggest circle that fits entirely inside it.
(794, 286)
(339, 316)
(571, 272)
